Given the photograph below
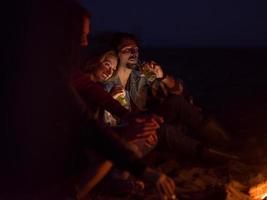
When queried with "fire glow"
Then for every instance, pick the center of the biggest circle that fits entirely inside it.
(259, 192)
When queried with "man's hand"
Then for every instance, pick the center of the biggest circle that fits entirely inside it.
(156, 68)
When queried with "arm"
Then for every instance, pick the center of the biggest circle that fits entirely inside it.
(164, 84)
(162, 88)
(106, 142)
(95, 93)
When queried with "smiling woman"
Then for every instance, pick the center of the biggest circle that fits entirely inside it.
(101, 66)
(98, 68)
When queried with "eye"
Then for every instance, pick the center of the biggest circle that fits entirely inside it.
(136, 49)
(107, 65)
(126, 51)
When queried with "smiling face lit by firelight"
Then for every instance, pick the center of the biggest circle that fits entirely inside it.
(107, 65)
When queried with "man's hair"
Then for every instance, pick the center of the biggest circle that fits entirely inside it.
(119, 37)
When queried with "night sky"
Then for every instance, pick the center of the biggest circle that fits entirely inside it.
(190, 23)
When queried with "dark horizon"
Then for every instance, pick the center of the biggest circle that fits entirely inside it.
(184, 24)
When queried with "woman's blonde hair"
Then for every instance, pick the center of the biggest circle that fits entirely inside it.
(94, 61)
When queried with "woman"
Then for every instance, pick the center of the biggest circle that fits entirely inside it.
(97, 69)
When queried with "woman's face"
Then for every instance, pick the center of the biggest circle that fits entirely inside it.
(106, 68)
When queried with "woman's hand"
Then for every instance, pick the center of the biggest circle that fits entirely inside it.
(117, 91)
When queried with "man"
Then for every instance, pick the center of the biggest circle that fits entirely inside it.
(178, 113)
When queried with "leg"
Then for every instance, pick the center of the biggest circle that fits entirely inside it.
(174, 139)
(177, 110)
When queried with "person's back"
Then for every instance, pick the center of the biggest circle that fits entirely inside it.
(43, 112)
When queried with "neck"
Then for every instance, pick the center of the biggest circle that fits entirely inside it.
(124, 74)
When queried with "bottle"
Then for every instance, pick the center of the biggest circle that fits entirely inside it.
(122, 100)
(148, 73)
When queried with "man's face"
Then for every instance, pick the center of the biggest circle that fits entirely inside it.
(85, 31)
(106, 68)
(128, 53)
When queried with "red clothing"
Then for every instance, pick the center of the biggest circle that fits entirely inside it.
(96, 98)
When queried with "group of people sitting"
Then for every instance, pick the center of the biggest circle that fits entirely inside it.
(112, 111)
(142, 104)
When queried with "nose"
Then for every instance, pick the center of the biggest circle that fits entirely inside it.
(134, 51)
(108, 71)
(84, 40)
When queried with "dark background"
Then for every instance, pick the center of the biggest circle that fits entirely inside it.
(190, 23)
(214, 46)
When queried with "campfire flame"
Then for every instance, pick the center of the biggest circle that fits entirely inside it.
(259, 192)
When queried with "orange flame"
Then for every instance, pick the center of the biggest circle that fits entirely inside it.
(259, 192)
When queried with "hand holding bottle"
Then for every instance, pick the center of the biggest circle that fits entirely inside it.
(152, 69)
(118, 93)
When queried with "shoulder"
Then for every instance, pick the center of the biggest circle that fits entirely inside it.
(109, 84)
(81, 81)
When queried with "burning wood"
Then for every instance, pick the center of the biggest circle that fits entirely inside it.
(259, 192)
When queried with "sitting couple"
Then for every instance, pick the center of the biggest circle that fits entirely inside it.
(185, 130)
(115, 72)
